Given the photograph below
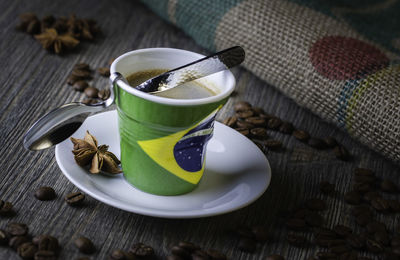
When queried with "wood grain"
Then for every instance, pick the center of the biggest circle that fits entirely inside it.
(33, 82)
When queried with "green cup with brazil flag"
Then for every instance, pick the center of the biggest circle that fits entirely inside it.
(163, 138)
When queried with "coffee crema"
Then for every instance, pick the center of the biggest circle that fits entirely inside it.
(190, 90)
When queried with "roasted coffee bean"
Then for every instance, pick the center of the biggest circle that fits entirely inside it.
(296, 224)
(118, 254)
(342, 231)
(4, 237)
(301, 213)
(389, 255)
(355, 241)
(259, 132)
(361, 210)
(244, 231)
(260, 233)
(141, 250)
(340, 249)
(342, 153)
(382, 237)
(286, 128)
(314, 219)
(352, 197)
(256, 121)
(200, 255)
(216, 255)
(6, 208)
(33, 27)
(336, 242)
(326, 187)
(315, 204)
(91, 92)
(363, 172)
(389, 186)
(394, 206)
(369, 196)
(104, 94)
(75, 198)
(45, 255)
(275, 257)
(325, 233)
(242, 106)
(229, 121)
(317, 143)
(330, 142)
(48, 243)
(396, 250)
(247, 245)
(266, 116)
(349, 256)
(301, 135)
(89, 101)
(81, 74)
(395, 241)
(326, 255)
(363, 220)
(364, 179)
(243, 131)
(363, 187)
(103, 71)
(244, 124)
(322, 242)
(17, 229)
(16, 241)
(244, 114)
(274, 123)
(80, 85)
(85, 245)
(374, 246)
(380, 204)
(82, 66)
(175, 257)
(273, 144)
(258, 110)
(375, 226)
(27, 250)
(72, 79)
(177, 250)
(45, 193)
(296, 240)
(130, 256)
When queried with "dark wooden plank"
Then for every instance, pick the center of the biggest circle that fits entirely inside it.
(33, 82)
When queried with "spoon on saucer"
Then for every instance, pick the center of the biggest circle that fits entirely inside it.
(60, 123)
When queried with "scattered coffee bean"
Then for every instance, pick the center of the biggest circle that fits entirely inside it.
(286, 128)
(91, 92)
(273, 144)
(317, 143)
(118, 254)
(375, 226)
(80, 85)
(27, 250)
(85, 245)
(301, 135)
(314, 219)
(296, 240)
(244, 114)
(342, 231)
(361, 210)
(17, 229)
(301, 213)
(258, 110)
(48, 243)
(394, 206)
(363, 187)
(363, 172)
(389, 255)
(103, 71)
(179, 251)
(6, 208)
(71, 80)
(82, 73)
(355, 241)
(75, 198)
(352, 197)
(4, 237)
(326, 187)
(395, 241)
(330, 142)
(380, 204)
(244, 231)
(315, 204)
(325, 233)
(275, 257)
(259, 132)
(82, 66)
(89, 101)
(104, 94)
(296, 224)
(382, 237)
(216, 255)
(260, 233)
(374, 246)
(369, 196)
(45, 255)
(256, 121)
(247, 245)
(364, 179)
(244, 124)
(45, 193)
(274, 123)
(141, 250)
(326, 255)
(342, 153)
(351, 255)
(340, 249)
(336, 242)
(230, 121)
(389, 186)
(242, 106)
(16, 241)
(200, 255)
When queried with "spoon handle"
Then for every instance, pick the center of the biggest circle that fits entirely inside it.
(216, 62)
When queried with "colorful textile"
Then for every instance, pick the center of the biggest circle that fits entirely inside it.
(340, 59)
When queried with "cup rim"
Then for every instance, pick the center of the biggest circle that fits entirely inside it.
(172, 101)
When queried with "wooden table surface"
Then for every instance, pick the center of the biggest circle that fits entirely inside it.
(33, 82)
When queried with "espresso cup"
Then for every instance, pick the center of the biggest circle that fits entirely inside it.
(163, 140)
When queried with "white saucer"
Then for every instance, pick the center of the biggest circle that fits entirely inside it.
(236, 174)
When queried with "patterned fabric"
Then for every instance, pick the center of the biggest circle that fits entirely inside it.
(338, 58)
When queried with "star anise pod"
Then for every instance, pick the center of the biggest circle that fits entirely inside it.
(87, 152)
(51, 40)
